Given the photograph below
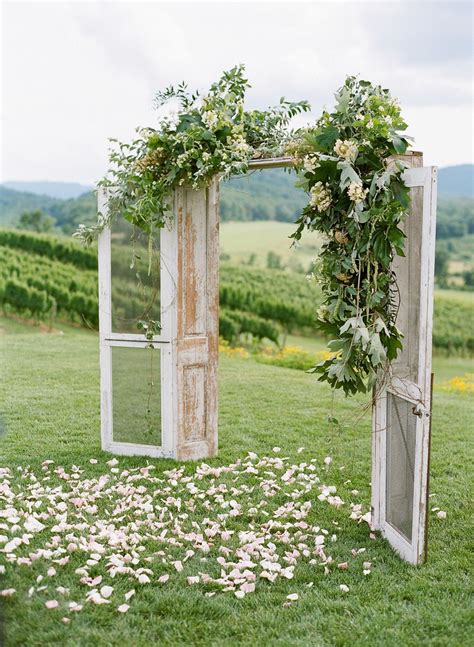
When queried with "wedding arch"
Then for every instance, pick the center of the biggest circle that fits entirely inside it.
(375, 203)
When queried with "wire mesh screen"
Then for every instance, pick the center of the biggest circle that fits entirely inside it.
(136, 395)
(400, 462)
(135, 269)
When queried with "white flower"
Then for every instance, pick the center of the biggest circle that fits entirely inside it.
(241, 147)
(310, 164)
(182, 159)
(356, 192)
(210, 118)
(346, 149)
(320, 197)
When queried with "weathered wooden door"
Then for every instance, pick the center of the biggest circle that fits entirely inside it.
(159, 395)
(402, 404)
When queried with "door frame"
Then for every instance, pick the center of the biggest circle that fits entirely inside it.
(416, 393)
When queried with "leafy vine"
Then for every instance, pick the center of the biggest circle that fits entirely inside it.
(358, 201)
(357, 197)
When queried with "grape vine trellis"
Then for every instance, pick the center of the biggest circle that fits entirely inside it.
(357, 197)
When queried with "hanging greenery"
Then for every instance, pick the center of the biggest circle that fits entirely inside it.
(357, 198)
(358, 201)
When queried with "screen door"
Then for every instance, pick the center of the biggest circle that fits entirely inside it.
(402, 403)
(134, 287)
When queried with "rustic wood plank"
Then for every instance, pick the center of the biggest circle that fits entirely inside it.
(195, 344)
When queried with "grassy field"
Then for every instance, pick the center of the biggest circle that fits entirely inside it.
(50, 410)
(242, 239)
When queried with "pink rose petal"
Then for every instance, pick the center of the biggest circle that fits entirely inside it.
(51, 604)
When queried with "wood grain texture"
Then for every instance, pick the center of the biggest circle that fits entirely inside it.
(197, 322)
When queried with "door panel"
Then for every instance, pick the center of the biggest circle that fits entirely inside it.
(135, 374)
(402, 399)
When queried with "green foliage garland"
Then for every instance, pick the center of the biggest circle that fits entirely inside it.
(358, 201)
(357, 197)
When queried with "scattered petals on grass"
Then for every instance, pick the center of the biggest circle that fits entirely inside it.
(7, 593)
(51, 604)
(344, 588)
(441, 514)
(106, 591)
(233, 529)
(193, 579)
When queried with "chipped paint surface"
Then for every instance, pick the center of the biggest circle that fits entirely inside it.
(197, 326)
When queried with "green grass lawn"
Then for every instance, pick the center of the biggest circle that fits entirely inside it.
(50, 410)
(242, 239)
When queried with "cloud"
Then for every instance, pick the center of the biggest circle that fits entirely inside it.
(424, 33)
(78, 73)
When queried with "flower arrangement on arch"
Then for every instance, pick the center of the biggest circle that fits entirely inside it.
(356, 197)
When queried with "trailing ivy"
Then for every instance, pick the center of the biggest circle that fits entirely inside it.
(357, 198)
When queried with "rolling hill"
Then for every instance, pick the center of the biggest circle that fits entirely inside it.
(61, 190)
(457, 181)
(259, 196)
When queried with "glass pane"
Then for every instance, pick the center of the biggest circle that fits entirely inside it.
(409, 276)
(136, 395)
(135, 266)
(400, 460)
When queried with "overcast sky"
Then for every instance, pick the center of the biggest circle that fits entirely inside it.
(76, 73)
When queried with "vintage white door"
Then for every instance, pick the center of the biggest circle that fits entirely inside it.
(135, 373)
(159, 396)
(402, 404)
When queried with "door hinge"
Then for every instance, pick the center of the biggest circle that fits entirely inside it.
(420, 411)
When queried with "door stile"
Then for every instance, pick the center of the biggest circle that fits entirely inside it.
(105, 324)
(403, 384)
